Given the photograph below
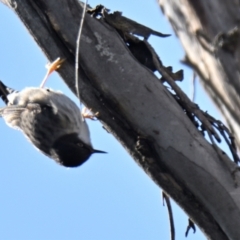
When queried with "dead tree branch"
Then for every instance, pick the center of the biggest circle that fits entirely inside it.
(137, 109)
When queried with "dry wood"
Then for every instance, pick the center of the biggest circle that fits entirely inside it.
(199, 24)
(135, 107)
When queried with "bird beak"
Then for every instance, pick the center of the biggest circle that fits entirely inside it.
(98, 151)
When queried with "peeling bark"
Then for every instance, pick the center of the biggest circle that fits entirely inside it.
(219, 70)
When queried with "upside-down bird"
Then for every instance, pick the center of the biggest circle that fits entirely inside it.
(51, 121)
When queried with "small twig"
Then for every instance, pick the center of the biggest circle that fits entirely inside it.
(170, 214)
(220, 154)
(188, 105)
(190, 225)
(77, 52)
(193, 87)
(223, 130)
(218, 125)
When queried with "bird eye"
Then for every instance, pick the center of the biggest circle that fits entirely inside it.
(46, 107)
(79, 144)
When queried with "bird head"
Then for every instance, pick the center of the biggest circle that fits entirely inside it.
(70, 151)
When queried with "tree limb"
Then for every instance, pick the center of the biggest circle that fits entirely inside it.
(136, 108)
(209, 33)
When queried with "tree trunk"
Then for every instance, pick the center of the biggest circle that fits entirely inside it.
(199, 24)
(137, 109)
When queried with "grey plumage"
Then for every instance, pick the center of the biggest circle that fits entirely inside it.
(51, 121)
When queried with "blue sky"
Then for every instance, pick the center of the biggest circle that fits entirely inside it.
(109, 197)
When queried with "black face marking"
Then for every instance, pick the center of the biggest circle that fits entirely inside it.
(70, 151)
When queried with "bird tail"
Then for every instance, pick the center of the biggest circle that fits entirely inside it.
(4, 92)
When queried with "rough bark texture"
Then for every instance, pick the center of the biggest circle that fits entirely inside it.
(133, 103)
(219, 71)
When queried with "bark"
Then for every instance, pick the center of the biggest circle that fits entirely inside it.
(217, 67)
(134, 106)
(219, 70)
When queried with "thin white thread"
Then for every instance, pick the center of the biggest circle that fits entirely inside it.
(77, 54)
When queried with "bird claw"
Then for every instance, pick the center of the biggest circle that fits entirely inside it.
(51, 67)
(56, 64)
(86, 113)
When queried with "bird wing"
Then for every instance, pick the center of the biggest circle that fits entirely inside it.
(12, 114)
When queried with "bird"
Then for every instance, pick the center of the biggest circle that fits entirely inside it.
(50, 120)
